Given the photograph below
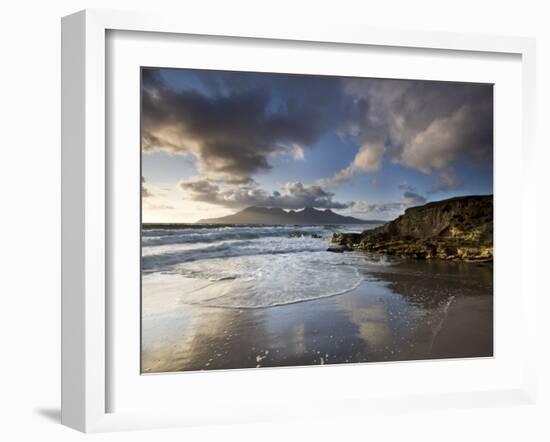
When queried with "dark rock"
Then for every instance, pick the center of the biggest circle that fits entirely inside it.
(295, 234)
(350, 240)
(458, 228)
(338, 249)
(298, 234)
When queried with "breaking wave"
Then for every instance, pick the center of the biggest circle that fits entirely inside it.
(245, 267)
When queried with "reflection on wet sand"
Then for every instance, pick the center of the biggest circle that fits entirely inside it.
(407, 311)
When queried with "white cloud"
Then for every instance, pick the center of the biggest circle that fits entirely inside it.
(438, 145)
(294, 151)
(368, 159)
(293, 195)
(145, 193)
(234, 130)
(388, 210)
(425, 126)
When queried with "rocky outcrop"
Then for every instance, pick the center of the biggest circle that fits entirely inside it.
(338, 249)
(458, 228)
(299, 234)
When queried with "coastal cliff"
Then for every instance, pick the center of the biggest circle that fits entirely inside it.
(459, 228)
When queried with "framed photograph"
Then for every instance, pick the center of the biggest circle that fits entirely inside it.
(278, 222)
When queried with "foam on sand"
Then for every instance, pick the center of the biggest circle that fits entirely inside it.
(278, 281)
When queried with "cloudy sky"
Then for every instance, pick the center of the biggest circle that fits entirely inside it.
(215, 142)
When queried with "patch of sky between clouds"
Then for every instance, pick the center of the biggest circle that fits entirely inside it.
(163, 168)
(319, 162)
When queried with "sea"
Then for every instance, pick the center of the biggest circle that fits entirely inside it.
(250, 266)
(237, 296)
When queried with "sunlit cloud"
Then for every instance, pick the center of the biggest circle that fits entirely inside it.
(293, 195)
(390, 209)
(424, 126)
(145, 193)
(368, 159)
(239, 134)
(233, 134)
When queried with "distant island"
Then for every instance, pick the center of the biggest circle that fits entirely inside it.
(459, 228)
(271, 216)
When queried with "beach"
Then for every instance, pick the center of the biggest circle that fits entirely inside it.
(272, 300)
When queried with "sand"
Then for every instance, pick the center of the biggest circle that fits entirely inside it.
(408, 311)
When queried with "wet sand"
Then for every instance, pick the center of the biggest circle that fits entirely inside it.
(407, 311)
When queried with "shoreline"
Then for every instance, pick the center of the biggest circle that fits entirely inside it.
(393, 315)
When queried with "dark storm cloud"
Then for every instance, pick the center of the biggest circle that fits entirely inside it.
(242, 120)
(235, 124)
(293, 195)
(422, 125)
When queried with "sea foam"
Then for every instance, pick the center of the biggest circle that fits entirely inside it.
(245, 267)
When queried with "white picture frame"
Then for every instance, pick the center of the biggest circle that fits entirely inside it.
(85, 210)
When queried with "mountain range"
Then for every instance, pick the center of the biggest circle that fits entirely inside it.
(265, 215)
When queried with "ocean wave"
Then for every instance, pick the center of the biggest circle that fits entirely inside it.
(247, 267)
(157, 259)
(191, 236)
(249, 284)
